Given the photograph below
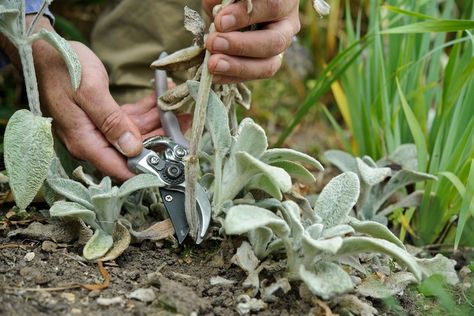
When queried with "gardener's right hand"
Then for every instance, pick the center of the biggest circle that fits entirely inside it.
(90, 123)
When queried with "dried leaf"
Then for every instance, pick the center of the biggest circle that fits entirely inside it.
(28, 144)
(374, 287)
(181, 60)
(121, 242)
(195, 24)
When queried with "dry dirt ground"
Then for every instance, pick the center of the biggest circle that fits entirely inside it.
(178, 277)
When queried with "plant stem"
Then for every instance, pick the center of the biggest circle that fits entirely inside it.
(38, 15)
(26, 55)
(192, 165)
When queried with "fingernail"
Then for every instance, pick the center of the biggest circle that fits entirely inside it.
(128, 144)
(222, 66)
(228, 22)
(220, 44)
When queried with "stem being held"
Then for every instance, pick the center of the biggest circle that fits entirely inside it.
(26, 55)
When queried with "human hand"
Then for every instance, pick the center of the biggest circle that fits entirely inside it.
(239, 56)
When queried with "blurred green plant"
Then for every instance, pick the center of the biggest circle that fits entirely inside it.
(410, 78)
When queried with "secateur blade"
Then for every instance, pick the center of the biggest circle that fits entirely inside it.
(168, 164)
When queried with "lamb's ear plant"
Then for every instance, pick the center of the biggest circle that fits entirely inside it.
(384, 183)
(28, 137)
(315, 246)
(99, 206)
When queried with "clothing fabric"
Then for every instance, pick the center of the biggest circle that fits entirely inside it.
(131, 34)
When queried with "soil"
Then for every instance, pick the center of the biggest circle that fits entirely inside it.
(179, 277)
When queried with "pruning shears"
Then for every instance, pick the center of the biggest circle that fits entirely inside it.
(164, 157)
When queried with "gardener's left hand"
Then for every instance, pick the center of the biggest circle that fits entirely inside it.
(238, 56)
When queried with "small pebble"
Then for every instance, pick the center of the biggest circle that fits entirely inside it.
(29, 256)
(110, 301)
(49, 246)
(71, 298)
(144, 295)
(94, 293)
(76, 311)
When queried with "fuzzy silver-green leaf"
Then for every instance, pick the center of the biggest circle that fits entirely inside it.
(241, 219)
(69, 55)
(71, 190)
(326, 280)
(371, 175)
(141, 181)
(28, 146)
(375, 229)
(337, 199)
(72, 209)
(295, 170)
(279, 154)
(98, 245)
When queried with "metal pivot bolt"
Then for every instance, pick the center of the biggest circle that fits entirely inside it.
(168, 198)
(180, 152)
(154, 160)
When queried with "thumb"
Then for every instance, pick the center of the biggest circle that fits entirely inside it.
(114, 124)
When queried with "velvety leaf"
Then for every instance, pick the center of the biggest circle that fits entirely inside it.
(342, 160)
(412, 200)
(376, 230)
(248, 166)
(141, 181)
(337, 199)
(326, 280)
(71, 209)
(217, 121)
(121, 241)
(107, 208)
(98, 245)
(392, 285)
(106, 184)
(69, 55)
(268, 204)
(244, 218)
(353, 245)
(9, 24)
(355, 306)
(440, 265)
(313, 247)
(260, 238)
(369, 161)
(338, 230)
(295, 170)
(263, 183)
(401, 179)
(291, 213)
(405, 155)
(250, 138)
(278, 154)
(71, 190)
(370, 175)
(315, 231)
(28, 146)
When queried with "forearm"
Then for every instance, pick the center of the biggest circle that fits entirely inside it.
(7, 47)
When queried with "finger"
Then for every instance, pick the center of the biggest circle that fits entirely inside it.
(209, 4)
(104, 157)
(244, 68)
(146, 122)
(257, 44)
(235, 17)
(141, 106)
(96, 101)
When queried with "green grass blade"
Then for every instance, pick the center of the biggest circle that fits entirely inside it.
(432, 26)
(467, 207)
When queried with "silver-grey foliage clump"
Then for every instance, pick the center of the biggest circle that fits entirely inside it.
(98, 205)
(384, 180)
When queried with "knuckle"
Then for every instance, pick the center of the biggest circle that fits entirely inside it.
(279, 42)
(111, 122)
(275, 8)
(273, 67)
